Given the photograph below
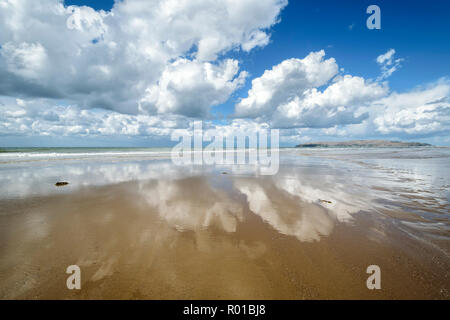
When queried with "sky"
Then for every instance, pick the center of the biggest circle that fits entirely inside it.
(129, 73)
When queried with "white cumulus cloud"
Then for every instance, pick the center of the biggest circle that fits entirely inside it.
(284, 82)
(113, 59)
(288, 95)
(190, 87)
(419, 112)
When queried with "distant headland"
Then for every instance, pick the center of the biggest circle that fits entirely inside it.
(362, 143)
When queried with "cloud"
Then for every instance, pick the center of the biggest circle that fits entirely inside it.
(388, 64)
(98, 59)
(422, 111)
(41, 118)
(309, 94)
(288, 96)
(337, 104)
(26, 60)
(284, 82)
(190, 88)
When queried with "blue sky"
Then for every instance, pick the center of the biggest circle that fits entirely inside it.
(418, 32)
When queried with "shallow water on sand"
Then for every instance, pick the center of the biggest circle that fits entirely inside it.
(140, 227)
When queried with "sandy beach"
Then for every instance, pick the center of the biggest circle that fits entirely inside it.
(140, 227)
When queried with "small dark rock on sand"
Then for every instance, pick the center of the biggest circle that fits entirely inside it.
(61, 183)
(326, 201)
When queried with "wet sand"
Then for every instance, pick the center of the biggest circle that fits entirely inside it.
(215, 236)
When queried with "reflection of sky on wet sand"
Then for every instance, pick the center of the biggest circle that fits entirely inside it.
(151, 224)
(312, 190)
(287, 202)
(192, 204)
(286, 214)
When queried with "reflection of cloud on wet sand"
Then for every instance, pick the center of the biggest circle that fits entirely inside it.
(287, 214)
(38, 180)
(286, 204)
(341, 203)
(191, 204)
(127, 240)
